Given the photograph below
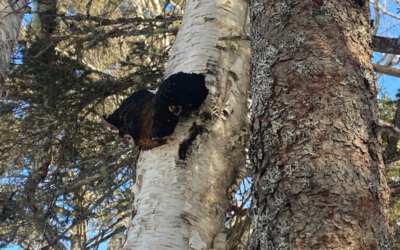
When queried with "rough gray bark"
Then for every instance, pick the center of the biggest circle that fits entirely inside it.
(319, 180)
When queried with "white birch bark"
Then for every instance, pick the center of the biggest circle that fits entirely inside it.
(181, 204)
(10, 21)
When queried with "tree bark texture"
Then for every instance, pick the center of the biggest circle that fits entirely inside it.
(10, 22)
(181, 199)
(319, 180)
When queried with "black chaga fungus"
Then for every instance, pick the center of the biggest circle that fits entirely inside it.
(134, 117)
(148, 117)
(360, 3)
(178, 95)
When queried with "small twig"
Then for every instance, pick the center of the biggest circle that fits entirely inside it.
(389, 128)
(88, 5)
(44, 50)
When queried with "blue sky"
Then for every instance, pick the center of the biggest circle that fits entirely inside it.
(389, 84)
(389, 27)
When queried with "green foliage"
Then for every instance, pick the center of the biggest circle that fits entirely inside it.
(387, 110)
(387, 107)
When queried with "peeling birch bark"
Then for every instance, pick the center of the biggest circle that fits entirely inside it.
(319, 178)
(181, 203)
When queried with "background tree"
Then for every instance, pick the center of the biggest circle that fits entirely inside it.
(385, 20)
(319, 180)
(11, 13)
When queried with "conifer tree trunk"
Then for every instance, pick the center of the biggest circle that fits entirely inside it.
(319, 180)
(181, 197)
(10, 21)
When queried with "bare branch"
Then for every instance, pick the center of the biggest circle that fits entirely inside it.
(386, 70)
(393, 165)
(88, 5)
(389, 128)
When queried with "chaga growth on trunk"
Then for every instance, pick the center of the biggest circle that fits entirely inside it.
(179, 95)
(133, 117)
(148, 118)
(361, 3)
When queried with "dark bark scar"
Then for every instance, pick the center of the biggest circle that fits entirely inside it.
(195, 130)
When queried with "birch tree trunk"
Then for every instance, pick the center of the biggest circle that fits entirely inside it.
(181, 203)
(319, 180)
(10, 21)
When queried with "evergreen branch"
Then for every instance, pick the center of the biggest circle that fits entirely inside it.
(105, 21)
(115, 33)
(101, 20)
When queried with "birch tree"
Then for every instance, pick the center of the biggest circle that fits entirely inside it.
(319, 179)
(11, 14)
(181, 199)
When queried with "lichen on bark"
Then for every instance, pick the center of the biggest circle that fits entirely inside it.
(318, 172)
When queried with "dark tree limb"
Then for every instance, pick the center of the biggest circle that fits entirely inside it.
(394, 187)
(107, 237)
(386, 45)
(116, 33)
(104, 21)
(88, 5)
